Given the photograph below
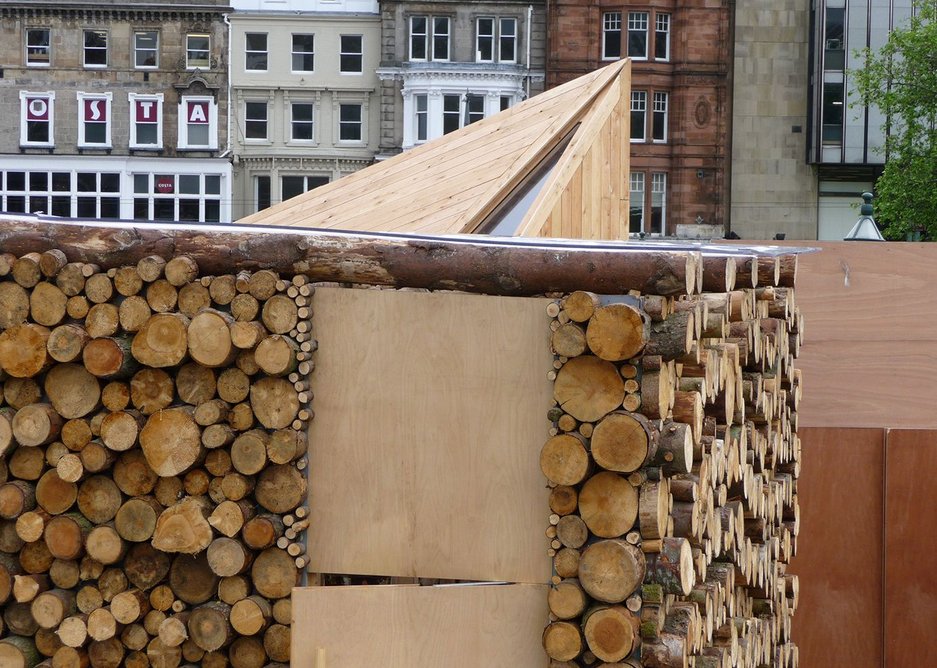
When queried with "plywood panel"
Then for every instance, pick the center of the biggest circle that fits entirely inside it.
(410, 626)
(430, 416)
(910, 549)
(840, 552)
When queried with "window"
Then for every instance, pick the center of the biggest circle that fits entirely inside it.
(173, 196)
(301, 121)
(474, 108)
(255, 120)
(638, 114)
(146, 49)
(506, 101)
(146, 129)
(349, 122)
(505, 37)
(98, 194)
(291, 186)
(658, 203)
(662, 37)
(198, 117)
(261, 192)
(832, 113)
(637, 35)
(835, 43)
(303, 53)
(636, 205)
(94, 120)
(38, 47)
(429, 38)
(659, 120)
(351, 55)
(255, 51)
(197, 51)
(422, 117)
(611, 36)
(37, 117)
(450, 113)
(95, 195)
(95, 48)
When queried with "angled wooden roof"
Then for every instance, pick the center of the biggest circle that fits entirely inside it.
(457, 183)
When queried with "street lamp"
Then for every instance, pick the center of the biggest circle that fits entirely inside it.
(865, 228)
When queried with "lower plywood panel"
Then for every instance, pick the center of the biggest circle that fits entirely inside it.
(910, 548)
(838, 623)
(407, 626)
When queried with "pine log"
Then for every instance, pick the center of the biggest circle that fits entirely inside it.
(161, 655)
(193, 298)
(25, 587)
(274, 402)
(566, 562)
(133, 474)
(210, 412)
(181, 270)
(286, 445)
(569, 340)
(562, 641)
(195, 384)
(136, 519)
(247, 652)
(567, 599)
(73, 631)
(668, 651)
(251, 615)
(277, 642)
(98, 288)
(18, 652)
(25, 270)
(36, 424)
(280, 488)
(47, 304)
(105, 545)
(617, 332)
(262, 531)
(50, 607)
(120, 430)
(624, 442)
(184, 527)
(672, 568)
(26, 463)
(279, 314)
(31, 524)
(95, 458)
(106, 653)
(564, 460)
(151, 390)
(209, 339)
(145, 566)
(653, 508)
(228, 557)
(247, 334)
(571, 531)
(168, 490)
(102, 320)
(14, 305)
(72, 391)
(35, 557)
(129, 606)
(70, 279)
(274, 573)
(610, 570)
(133, 313)
(192, 579)
(16, 498)
(101, 624)
(233, 589)
(276, 355)
(55, 495)
(171, 441)
(18, 619)
(111, 582)
(228, 517)
(233, 385)
(217, 435)
(675, 453)
(588, 388)
(77, 307)
(609, 632)
(563, 498)
(65, 535)
(672, 338)
(150, 268)
(173, 630)
(608, 504)
(162, 341)
(108, 357)
(162, 296)
(209, 626)
(580, 305)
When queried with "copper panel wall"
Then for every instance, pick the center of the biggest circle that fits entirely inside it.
(910, 548)
(840, 553)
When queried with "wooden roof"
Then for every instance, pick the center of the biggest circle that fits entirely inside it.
(456, 184)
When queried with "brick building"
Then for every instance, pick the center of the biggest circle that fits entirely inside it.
(681, 104)
(115, 109)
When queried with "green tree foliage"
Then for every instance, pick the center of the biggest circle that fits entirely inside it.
(901, 79)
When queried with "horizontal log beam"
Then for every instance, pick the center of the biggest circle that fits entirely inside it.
(468, 263)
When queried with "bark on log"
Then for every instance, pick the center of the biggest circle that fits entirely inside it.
(672, 568)
(18, 652)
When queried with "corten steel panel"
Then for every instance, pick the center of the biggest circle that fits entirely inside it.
(424, 452)
(413, 627)
(910, 548)
(838, 623)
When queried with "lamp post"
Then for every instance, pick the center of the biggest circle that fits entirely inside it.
(865, 228)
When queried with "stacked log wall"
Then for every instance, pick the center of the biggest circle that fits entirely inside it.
(152, 456)
(673, 459)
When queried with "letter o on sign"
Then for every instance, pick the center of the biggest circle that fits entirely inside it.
(38, 109)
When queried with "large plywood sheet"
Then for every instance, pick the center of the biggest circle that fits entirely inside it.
(910, 549)
(430, 416)
(840, 551)
(496, 626)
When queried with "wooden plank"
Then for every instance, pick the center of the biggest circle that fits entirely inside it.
(885, 384)
(840, 551)
(410, 626)
(430, 416)
(910, 548)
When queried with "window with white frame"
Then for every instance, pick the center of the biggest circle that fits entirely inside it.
(506, 102)
(638, 115)
(496, 40)
(429, 38)
(350, 122)
(61, 193)
(474, 108)
(302, 121)
(198, 123)
(658, 202)
(255, 121)
(146, 127)
(451, 116)
(421, 103)
(659, 120)
(37, 119)
(637, 35)
(175, 196)
(662, 37)
(94, 120)
(262, 194)
(636, 203)
(611, 36)
(304, 57)
(255, 51)
(351, 56)
(38, 47)
(146, 49)
(197, 51)
(291, 186)
(95, 48)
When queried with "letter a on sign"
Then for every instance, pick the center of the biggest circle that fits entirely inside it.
(198, 112)
(37, 109)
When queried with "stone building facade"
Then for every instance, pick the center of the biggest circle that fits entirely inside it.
(305, 95)
(681, 100)
(115, 110)
(446, 64)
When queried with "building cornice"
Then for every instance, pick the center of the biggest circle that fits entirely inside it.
(458, 71)
(137, 12)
